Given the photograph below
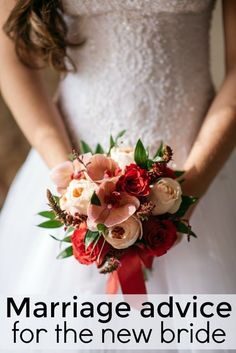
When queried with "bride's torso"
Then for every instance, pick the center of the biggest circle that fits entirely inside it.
(144, 67)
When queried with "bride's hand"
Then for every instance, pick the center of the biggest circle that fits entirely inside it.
(191, 188)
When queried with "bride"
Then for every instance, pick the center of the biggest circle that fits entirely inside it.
(140, 65)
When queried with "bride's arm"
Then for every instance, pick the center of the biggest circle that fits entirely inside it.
(24, 91)
(217, 136)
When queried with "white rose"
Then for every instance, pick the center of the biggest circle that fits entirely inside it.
(166, 196)
(123, 156)
(77, 196)
(124, 234)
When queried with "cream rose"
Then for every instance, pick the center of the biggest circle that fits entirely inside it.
(124, 234)
(123, 156)
(166, 196)
(77, 196)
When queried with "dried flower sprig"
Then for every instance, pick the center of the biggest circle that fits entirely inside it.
(61, 215)
(145, 210)
(112, 264)
(167, 153)
(77, 156)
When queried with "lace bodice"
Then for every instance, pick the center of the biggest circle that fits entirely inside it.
(144, 67)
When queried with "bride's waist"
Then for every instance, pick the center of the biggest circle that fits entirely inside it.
(150, 111)
(149, 99)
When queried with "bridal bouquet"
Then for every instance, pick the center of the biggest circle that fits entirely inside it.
(119, 210)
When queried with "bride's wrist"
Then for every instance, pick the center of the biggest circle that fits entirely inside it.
(56, 154)
(55, 158)
(193, 184)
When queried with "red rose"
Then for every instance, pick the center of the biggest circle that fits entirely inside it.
(135, 181)
(89, 255)
(159, 236)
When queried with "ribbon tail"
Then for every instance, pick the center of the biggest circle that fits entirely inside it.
(112, 284)
(146, 259)
(130, 274)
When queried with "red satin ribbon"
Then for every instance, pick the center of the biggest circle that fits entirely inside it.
(112, 284)
(129, 276)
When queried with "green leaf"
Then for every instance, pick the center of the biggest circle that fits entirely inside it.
(159, 151)
(65, 253)
(51, 224)
(179, 173)
(95, 199)
(99, 149)
(47, 214)
(70, 230)
(101, 227)
(90, 237)
(187, 201)
(119, 135)
(185, 229)
(112, 142)
(158, 159)
(67, 239)
(85, 148)
(149, 163)
(140, 154)
(64, 240)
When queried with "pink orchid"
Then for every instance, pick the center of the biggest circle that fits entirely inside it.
(101, 167)
(61, 175)
(64, 172)
(115, 206)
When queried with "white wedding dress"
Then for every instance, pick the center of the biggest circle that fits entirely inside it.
(145, 68)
